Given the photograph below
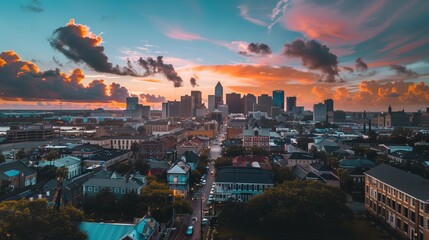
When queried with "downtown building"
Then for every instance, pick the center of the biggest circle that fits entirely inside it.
(233, 100)
(279, 99)
(399, 199)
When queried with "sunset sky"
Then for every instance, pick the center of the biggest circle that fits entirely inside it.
(86, 54)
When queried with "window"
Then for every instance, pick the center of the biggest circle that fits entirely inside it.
(95, 189)
(413, 202)
(399, 208)
(406, 198)
(406, 212)
(89, 189)
(405, 227)
(400, 195)
(421, 221)
(413, 216)
(116, 190)
(398, 223)
(427, 223)
(123, 190)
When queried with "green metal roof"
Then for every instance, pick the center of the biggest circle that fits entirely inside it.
(102, 231)
(11, 173)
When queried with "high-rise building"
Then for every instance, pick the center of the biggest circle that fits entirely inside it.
(290, 104)
(132, 103)
(247, 103)
(211, 103)
(218, 94)
(329, 105)
(187, 105)
(197, 98)
(223, 108)
(264, 103)
(165, 110)
(233, 100)
(279, 99)
(173, 108)
(319, 112)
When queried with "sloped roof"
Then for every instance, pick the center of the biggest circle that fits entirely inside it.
(191, 157)
(356, 163)
(112, 182)
(12, 167)
(102, 231)
(409, 183)
(176, 169)
(244, 175)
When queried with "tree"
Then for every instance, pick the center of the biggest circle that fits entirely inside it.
(291, 207)
(24, 219)
(52, 155)
(345, 180)
(282, 175)
(46, 173)
(135, 148)
(257, 151)
(103, 206)
(302, 142)
(141, 166)
(233, 151)
(20, 154)
(223, 161)
(122, 168)
(194, 177)
(2, 158)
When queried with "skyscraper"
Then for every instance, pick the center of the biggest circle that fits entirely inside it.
(187, 105)
(218, 94)
(247, 103)
(132, 103)
(211, 103)
(264, 103)
(173, 108)
(290, 104)
(319, 112)
(279, 99)
(329, 105)
(197, 97)
(233, 100)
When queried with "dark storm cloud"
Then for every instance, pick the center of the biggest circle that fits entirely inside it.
(77, 43)
(257, 49)
(314, 56)
(33, 6)
(23, 80)
(152, 98)
(152, 66)
(403, 71)
(193, 81)
(360, 65)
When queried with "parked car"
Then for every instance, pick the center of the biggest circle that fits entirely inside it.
(194, 219)
(190, 231)
(205, 221)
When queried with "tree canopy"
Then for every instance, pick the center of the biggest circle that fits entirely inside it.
(291, 207)
(26, 219)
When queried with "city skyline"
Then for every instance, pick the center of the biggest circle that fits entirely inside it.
(364, 55)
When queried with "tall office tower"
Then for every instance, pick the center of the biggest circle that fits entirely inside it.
(132, 103)
(218, 94)
(173, 108)
(233, 100)
(165, 110)
(247, 103)
(211, 103)
(279, 99)
(264, 103)
(197, 98)
(187, 105)
(319, 112)
(329, 105)
(290, 104)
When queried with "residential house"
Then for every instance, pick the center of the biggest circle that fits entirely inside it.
(400, 199)
(191, 158)
(107, 157)
(191, 145)
(178, 179)
(256, 138)
(157, 126)
(115, 184)
(73, 165)
(241, 183)
(316, 171)
(262, 162)
(146, 228)
(295, 158)
(17, 175)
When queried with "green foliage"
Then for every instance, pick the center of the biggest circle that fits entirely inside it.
(282, 175)
(141, 166)
(46, 173)
(291, 207)
(62, 172)
(302, 142)
(257, 151)
(2, 158)
(233, 151)
(20, 154)
(123, 168)
(52, 155)
(194, 177)
(223, 161)
(135, 147)
(25, 219)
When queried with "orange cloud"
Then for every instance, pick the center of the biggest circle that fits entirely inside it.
(179, 34)
(262, 75)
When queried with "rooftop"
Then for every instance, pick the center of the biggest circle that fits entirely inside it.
(244, 175)
(409, 183)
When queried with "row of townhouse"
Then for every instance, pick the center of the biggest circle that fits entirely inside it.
(400, 199)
